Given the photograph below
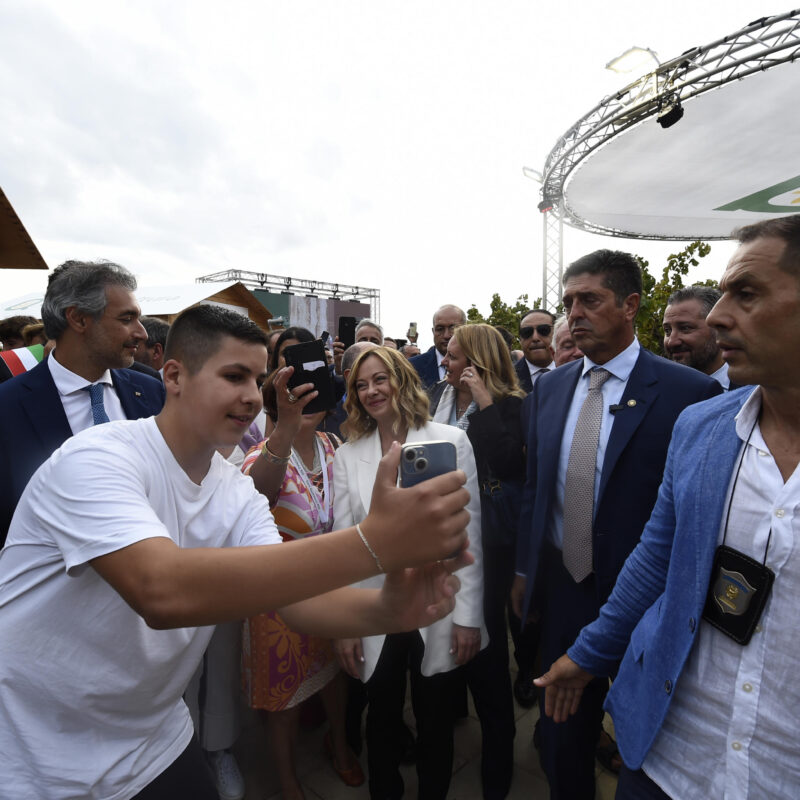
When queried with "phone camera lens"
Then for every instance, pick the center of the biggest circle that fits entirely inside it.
(410, 454)
(421, 464)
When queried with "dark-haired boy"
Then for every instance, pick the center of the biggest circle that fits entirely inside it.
(135, 533)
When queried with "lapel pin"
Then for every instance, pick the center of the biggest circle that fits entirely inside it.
(631, 403)
(138, 394)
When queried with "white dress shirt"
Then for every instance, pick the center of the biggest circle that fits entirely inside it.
(439, 359)
(537, 371)
(721, 376)
(731, 730)
(75, 399)
(620, 368)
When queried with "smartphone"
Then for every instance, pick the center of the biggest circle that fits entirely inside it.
(347, 331)
(324, 336)
(311, 366)
(422, 460)
(412, 331)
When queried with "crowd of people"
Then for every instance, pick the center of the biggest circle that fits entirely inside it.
(627, 518)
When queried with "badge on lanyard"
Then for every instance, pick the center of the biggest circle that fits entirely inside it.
(737, 594)
(739, 587)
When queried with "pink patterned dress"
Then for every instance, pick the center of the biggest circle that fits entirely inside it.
(281, 668)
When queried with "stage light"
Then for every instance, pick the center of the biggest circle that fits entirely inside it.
(671, 111)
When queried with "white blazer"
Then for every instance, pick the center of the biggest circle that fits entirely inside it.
(354, 471)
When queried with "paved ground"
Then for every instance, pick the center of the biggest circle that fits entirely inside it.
(320, 781)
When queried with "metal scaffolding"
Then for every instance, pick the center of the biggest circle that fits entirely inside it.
(762, 45)
(285, 284)
(553, 259)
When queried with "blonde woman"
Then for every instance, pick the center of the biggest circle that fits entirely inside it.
(385, 403)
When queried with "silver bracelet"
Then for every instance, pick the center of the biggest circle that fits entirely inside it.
(371, 551)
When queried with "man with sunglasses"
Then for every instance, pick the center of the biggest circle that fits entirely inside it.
(535, 336)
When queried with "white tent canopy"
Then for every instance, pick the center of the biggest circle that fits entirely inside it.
(729, 161)
(154, 300)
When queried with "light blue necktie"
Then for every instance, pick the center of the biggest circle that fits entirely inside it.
(98, 409)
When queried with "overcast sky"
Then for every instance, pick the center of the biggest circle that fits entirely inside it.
(358, 141)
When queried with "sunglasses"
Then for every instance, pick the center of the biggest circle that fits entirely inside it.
(527, 331)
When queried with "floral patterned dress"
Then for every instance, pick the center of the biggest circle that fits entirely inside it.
(280, 667)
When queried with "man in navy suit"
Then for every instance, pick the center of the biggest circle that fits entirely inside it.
(535, 337)
(429, 364)
(90, 311)
(699, 711)
(583, 513)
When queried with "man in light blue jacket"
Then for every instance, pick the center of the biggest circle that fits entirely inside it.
(705, 700)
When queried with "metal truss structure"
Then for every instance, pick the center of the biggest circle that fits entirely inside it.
(553, 258)
(285, 284)
(762, 45)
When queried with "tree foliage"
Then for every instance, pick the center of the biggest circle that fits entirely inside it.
(500, 313)
(655, 293)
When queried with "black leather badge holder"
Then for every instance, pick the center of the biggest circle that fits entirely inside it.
(737, 594)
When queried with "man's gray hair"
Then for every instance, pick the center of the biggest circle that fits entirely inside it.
(558, 325)
(372, 324)
(707, 296)
(81, 284)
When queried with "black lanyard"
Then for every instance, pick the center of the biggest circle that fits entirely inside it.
(739, 587)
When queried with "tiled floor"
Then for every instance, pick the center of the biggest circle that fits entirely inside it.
(320, 781)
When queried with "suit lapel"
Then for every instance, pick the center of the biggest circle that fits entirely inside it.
(555, 395)
(524, 375)
(130, 394)
(637, 399)
(718, 457)
(44, 408)
(368, 454)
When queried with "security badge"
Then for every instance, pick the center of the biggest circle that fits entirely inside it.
(732, 593)
(737, 594)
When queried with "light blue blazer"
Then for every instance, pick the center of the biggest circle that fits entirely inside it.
(653, 614)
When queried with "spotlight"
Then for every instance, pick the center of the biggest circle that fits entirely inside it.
(671, 111)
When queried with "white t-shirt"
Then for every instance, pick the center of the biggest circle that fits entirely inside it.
(90, 696)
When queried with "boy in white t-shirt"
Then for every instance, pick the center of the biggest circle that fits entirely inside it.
(136, 537)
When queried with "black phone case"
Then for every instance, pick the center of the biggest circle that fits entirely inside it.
(347, 331)
(311, 354)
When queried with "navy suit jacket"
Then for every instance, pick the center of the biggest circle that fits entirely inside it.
(427, 367)
(524, 375)
(633, 465)
(33, 424)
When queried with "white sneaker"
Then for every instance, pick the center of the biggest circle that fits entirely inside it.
(227, 776)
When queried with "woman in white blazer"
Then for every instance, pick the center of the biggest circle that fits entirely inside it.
(385, 403)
